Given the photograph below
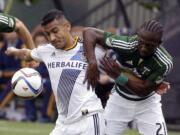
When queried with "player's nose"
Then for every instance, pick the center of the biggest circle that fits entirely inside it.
(52, 37)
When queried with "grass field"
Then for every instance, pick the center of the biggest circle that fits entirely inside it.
(25, 128)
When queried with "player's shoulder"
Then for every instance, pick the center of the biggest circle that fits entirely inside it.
(121, 41)
(164, 59)
(4, 15)
(46, 47)
(5, 18)
(7, 23)
(163, 54)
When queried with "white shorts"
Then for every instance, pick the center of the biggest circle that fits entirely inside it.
(88, 125)
(147, 114)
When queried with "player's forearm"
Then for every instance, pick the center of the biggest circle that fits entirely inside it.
(23, 54)
(89, 45)
(24, 34)
(137, 85)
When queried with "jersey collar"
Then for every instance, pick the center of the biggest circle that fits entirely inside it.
(74, 44)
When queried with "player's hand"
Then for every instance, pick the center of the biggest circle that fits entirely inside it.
(10, 51)
(163, 88)
(33, 64)
(92, 75)
(111, 67)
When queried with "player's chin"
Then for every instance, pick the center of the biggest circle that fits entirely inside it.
(144, 54)
(59, 46)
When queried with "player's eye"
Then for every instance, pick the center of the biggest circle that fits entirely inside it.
(47, 33)
(55, 30)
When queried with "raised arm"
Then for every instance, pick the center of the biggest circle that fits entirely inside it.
(23, 54)
(10, 23)
(24, 33)
(91, 37)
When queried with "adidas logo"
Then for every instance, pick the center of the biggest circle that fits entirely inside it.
(129, 62)
(53, 54)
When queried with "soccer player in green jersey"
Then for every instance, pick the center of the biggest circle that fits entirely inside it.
(9, 23)
(142, 64)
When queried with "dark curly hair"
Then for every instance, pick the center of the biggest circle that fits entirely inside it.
(154, 27)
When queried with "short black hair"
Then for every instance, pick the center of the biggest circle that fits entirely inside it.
(51, 15)
(152, 26)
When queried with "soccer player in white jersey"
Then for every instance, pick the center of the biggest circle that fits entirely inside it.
(79, 109)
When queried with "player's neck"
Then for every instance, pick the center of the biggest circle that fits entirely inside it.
(72, 43)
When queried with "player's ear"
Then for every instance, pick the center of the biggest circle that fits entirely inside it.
(68, 26)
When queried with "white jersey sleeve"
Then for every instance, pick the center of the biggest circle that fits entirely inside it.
(100, 52)
(38, 53)
(35, 55)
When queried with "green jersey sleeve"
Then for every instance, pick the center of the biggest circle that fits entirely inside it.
(120, 43)
(165, 65)
(7, 23)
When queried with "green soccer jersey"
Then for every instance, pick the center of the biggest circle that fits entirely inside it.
(153, 68)
(7, 23)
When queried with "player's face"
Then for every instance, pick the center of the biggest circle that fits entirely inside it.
(58, 33)
(147, 43)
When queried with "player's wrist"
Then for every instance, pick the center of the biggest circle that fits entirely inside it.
(122, 79)
(92, 61)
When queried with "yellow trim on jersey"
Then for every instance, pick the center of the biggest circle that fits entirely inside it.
(74, 44)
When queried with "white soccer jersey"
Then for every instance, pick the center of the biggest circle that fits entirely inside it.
(67, 72)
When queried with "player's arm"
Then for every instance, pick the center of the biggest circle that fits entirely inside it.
(154, 82)
(125, 77)
(145, 87)
(23, 54)
(139, 86)
(131, 81)
(91, 37)
(24, 33)
(9, 24)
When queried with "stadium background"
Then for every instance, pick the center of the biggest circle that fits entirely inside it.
(116, 15)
